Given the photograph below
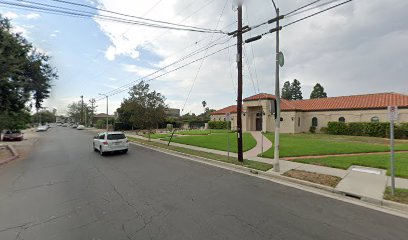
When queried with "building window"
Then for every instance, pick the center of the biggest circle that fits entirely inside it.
(299, 122)
(314, 122)
(375, 119)
(342, 119)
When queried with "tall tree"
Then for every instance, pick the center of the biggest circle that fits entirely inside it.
(295, 90)
(318, 92)
(25, 74)
(143, 109)
(286, 91)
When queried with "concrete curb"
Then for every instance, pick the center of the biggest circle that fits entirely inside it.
(383, 204)
(13, 151)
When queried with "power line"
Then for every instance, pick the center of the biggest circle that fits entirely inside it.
(128, 15)
(253, 55)
(83, 14)
(300, 8)
(185, 65)
(310, 8)
(314, 14)
(171, 64)
(202, 62)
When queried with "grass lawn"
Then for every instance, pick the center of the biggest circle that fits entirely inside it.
(202, 132)
(292, 145)
(157, 135)
(189, 132)
(217, 141)
(376, 161)
(250, 164)
(401, 195)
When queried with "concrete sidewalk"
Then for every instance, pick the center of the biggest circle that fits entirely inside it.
(262, 145)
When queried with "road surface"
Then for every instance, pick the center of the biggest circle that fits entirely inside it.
(64, 190)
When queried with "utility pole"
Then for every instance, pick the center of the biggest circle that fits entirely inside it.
(277, 95)
(82, 110)
(92, 110)
(107, 112)
(239, 97)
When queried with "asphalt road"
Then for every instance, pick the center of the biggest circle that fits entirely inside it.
(64, 190)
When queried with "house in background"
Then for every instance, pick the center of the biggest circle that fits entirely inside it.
(299, 115)
(173, 112)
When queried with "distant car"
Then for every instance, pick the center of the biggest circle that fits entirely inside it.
(59, 124)
(110, 142)
(42, 128)
(81, 127)
(74, 126)
(14, 135)
(65, 125)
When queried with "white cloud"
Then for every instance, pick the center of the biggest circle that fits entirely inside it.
(32, 16)
(342, 48)
(113, 79)
(21, 30)
(10, 15)
(53, 35)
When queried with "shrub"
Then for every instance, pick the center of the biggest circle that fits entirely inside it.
(218, 125)
(357, 128)
(101, 124)
(312, 129)
(337, 128)
(372, 129)
(323, 129)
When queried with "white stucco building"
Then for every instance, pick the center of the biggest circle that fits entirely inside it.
(299, 115)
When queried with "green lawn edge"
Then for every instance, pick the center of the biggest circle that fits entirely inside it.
(232, 160)
(381, 161)
(400, 196)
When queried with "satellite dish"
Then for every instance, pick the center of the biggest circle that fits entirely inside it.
(281, 59)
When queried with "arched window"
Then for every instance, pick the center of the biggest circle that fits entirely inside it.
(375, 119)
(342, 119)
(314, 122)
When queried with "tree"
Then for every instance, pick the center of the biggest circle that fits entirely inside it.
(25, 74)
(286, 91)
(74, 111)
(295, 90)
(204, 103)
(143, 109)
(43, 116)
(318, 92)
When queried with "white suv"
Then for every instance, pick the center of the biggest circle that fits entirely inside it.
(110, 142)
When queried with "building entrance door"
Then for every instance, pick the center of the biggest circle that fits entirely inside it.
(258, 122)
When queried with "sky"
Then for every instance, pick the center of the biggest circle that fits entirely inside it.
(358, 48)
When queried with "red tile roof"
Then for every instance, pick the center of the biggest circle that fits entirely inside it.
(367, 101)
(260, 96)
(230, 109)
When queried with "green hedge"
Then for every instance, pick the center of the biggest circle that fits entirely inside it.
(372, 129)
(218, 124)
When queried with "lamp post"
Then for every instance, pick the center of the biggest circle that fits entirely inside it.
(277, 95)
(107, 114)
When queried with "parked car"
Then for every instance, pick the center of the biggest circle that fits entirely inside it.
(81, 127)
(74, 126)
(65, 125)
(14, 135)
(110, 142)
(42, 128)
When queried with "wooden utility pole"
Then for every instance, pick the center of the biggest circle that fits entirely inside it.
(239, 97)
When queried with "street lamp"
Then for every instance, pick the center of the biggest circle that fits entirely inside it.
(107, 114)
(277, 95)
